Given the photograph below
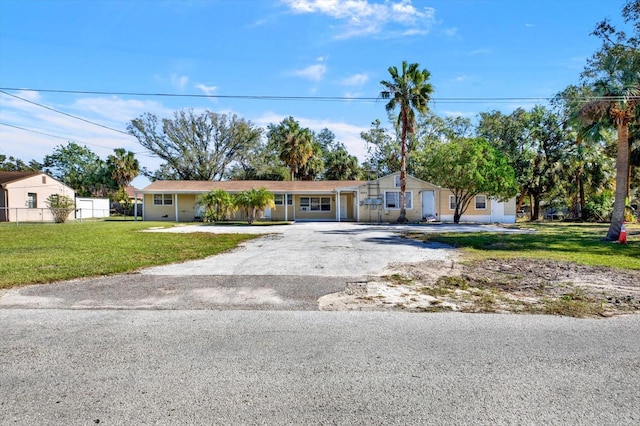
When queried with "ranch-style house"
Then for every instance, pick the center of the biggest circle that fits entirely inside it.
(357, 201)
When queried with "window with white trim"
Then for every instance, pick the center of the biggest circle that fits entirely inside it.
(392, 200)
(162, 199)
(396, 181)
(32, 200)
(315, 204)
(452, 202)
(481, 202)
(279, 199)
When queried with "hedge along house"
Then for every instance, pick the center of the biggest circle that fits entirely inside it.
(359, 201)
(23, 196)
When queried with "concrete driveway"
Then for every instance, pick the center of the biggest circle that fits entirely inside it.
(311, 248)
(289, 268)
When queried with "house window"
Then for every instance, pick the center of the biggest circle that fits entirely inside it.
(162, 199)
(392, 200)
(315, 204)
(396, 181)
(452, 202)
(481, 202)
(44, 180)
(279, 199)
(32, 200)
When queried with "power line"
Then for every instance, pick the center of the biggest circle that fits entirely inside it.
(310, 98)
(65, 138)
(38, 132)
(63, 113)
(272, 97)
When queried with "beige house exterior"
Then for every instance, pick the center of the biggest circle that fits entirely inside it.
(357, 201)
(23, 196)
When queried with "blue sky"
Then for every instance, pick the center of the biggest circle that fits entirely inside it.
(479, 49)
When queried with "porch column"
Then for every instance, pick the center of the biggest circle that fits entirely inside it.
(357, 205)
(175, 201)
(286, 206)
(338, 205)
(135, 206)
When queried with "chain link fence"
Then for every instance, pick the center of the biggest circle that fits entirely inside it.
(45, 215)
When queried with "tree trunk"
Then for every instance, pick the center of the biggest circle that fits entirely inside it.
(403, 172)
(535, 209)
(520, 201)
(583, 213)
(622, 166)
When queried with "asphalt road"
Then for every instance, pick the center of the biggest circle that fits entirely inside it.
(65, 367)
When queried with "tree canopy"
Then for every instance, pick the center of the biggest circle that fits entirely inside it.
(196, 146)
(469, 167)
(81, 169)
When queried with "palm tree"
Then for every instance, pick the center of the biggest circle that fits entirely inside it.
(293, 143)
(218, 205)
(409, 91)
(252, 201)
(123, 167)
(617, 102)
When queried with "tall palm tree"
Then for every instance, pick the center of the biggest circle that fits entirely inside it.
(409, 91)
(293, 143)
(123, 166)
(618, 102)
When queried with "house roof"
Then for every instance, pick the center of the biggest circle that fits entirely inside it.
(131, 191)
(190, 186)
(8, 177)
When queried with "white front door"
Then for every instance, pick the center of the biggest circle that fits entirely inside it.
(267, 213)
(343, 207)
(428, 204)
(497, 211)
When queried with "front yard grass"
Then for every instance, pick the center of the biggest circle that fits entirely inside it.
(43, 253)
(579, 243)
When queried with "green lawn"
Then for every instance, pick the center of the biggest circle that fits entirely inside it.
(42, 253)
(580, 243)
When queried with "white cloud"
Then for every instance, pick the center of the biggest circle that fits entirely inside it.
(459, 78)
(459, 114)
(481, 52)
(117, 110)
(355, 80)
(528, 25)
(361, 18)
(179, 82)
(312, 72)
(451, 32)
(207, 90)
(46, 129)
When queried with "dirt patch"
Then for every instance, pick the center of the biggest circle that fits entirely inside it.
(502, 286)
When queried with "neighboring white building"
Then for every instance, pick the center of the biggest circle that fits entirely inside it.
(87, 208)
(23, 196)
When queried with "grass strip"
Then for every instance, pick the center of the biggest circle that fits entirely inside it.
(579, 243)
(43, 253)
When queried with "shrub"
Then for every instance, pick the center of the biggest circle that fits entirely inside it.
(60, 206)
